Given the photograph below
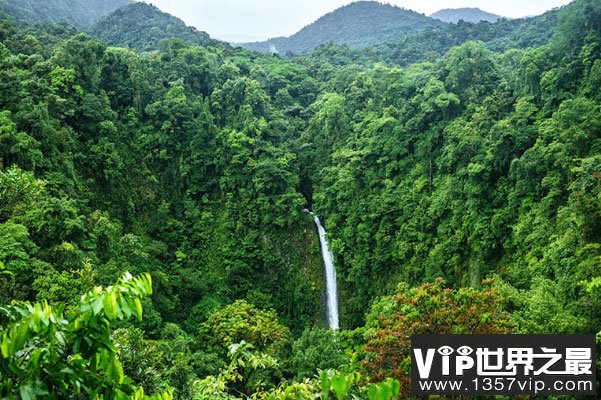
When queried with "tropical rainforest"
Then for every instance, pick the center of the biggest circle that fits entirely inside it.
(153, 239)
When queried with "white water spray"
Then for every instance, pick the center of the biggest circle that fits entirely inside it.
(331, 285)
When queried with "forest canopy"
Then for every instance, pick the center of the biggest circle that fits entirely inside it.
(153, 239)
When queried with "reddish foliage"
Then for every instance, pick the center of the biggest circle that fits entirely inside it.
(430, 308)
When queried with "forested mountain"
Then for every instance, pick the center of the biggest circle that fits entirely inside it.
(79, 13)
(153, 239)
(357, 25)
(474, 15)
(142, 26)
(434, 42)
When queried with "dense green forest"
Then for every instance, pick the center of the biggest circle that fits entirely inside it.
(432, 43)
(153, 242)
(74, 12)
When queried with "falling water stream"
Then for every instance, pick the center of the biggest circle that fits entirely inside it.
(330, 272)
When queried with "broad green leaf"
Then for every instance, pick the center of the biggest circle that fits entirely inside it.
(110, 305)
(340, 386)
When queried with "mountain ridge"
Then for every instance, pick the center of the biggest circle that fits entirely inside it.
(358, 25)
(142, 26)
(467, 14)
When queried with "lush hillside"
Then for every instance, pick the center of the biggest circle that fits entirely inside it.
(357, 25)
(78, 13)
(142, 27)
(153, 239)
(474, 15)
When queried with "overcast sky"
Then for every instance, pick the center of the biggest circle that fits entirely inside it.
(254, 20)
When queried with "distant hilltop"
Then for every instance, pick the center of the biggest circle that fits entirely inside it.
(141, 26)
(475, 15)
(357, 25)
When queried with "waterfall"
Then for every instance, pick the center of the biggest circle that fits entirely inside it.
(330, 272)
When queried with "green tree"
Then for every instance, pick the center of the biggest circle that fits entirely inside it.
(316, 349)
(44, 354)
(241, 321)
